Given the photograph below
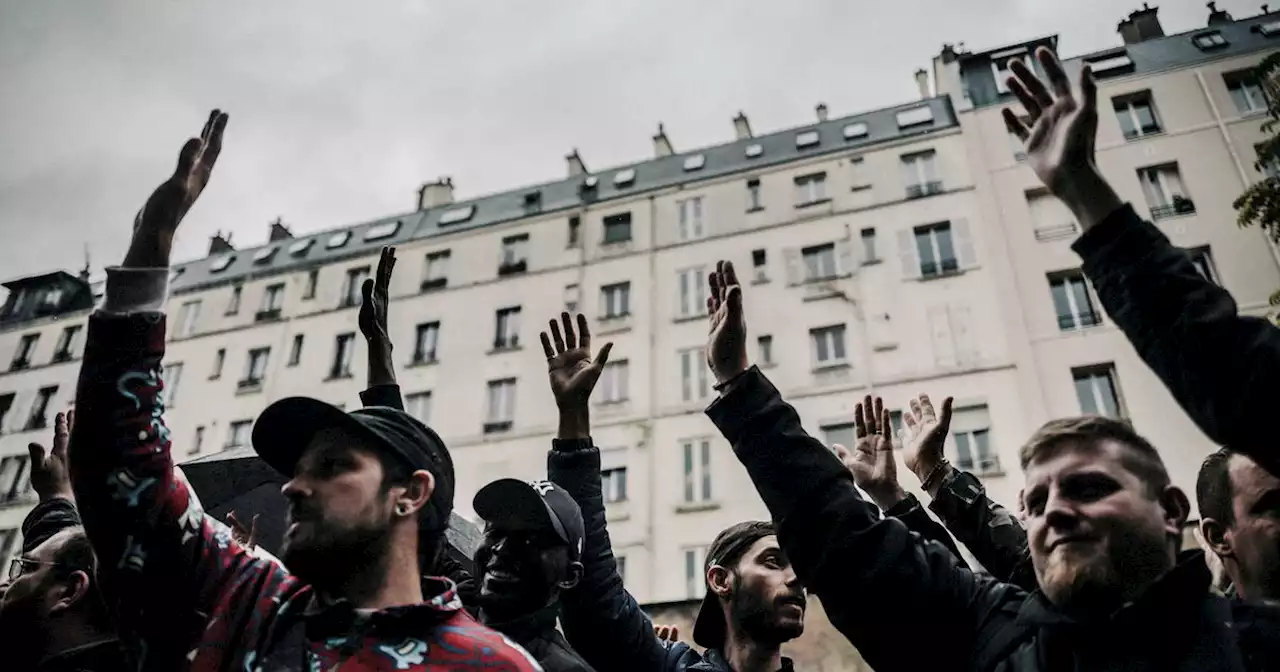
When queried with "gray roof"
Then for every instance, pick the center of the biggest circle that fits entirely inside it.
(567, 194)
(1149, 57)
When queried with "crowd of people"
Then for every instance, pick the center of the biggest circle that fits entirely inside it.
(121, 569)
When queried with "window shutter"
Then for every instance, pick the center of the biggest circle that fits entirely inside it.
(966, 348)
(908, 254)
(795, 266)
(845, 263)
(966, 257)
(944, 349)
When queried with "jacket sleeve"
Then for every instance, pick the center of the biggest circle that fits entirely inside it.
(917, 520)
(601, 620)
(988, 530)
(47, 519)
(1219, 366)
(872, 574)
(383, 395)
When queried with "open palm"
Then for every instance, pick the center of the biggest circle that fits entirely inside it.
(1059, 130)
(922, 448)
(571, 369)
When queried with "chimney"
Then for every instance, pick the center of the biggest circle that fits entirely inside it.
(279, 231)
(821, 109)
(434, 194)
(1217, 16)
(661, 143)
(1142, 25)
(576, 166)
(741, 127)
(219, 244)
(922, 82)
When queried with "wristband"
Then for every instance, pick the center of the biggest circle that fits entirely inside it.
(934, 474)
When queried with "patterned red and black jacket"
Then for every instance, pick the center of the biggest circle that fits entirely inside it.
(187, 596)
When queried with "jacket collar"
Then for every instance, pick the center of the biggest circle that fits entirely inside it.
(340, 619)
(713, 660)
(530, 626)
(105, 656)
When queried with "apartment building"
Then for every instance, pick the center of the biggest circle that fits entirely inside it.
(889, 252)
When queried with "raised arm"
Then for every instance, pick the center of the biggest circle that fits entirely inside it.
(56, 509)
(1219, 366)
(872, 574)
(383, 390)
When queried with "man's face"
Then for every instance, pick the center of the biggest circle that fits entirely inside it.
(27, 607)
(520, 570)
(1097, 534)
(339, 513)
(1254, 535)
(766, 601)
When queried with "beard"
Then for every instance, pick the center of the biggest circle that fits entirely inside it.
(757, 616)
(327, 554)
(1094, 580)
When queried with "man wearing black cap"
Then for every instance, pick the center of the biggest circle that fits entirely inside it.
(753, 602)
(368, 492)
(529, 556)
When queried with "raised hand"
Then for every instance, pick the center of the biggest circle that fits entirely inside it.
(572, 371)
(247, 536)
(158, 220)
(49, 475)
(1059, 134)
(871, 461)
(727, 342)
(669, 633)
(926, 435)
(373, 310)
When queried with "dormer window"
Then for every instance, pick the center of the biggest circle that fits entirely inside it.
(383, 230)
(915, 116)
(264, 255)
(533, 201)
(1111, 65)
(754, 150)
(590, 182)
(1209, 40)
(221, 263)
(695, 162)
(807, 139)
(855, 131)
(624, 177)
(457, 215)
(300, 248)
(1270, 28)
(337, 240)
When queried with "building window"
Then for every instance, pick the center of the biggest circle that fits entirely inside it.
(272, 301)
(695, 581)
(760, 265)
(219, 358)
(67, 342)
(692, 299)
(436, 272)
(572, 296)
(575, 232)
(171, 375)
(1203, 261)
(615, 300)
(313, 279)
(753, 195)
(1165, 193)
(233, 306)
(764, 350)
(515, 254)
(920, 174)
(1245, 92)
(1050, 219)
(811, 189)
(419, 406)
(613, 483)
(1210, 40)
(426, 338)
(255, 368)
(238, 434)
(6, 404)
(617, 228)
(841, 434)
(197, 443)
(819, 262)
(1071, 301)
(1097, 390)
(532, 202)
(613, 382)
(693, 375)
(26, 348)
(690, 218)
(858, 173)
(971, 429)
(828, 346)
(506, 328)
(869, 246)
(1136, 113)
(39, 410)
(188, 315)
(697, 470)
(14, 479)
(295, 351)
(621, 562)
(936, 250)
(351, 291)
(343, 349)
(1269, 166)
(501, 405)
(915, 116)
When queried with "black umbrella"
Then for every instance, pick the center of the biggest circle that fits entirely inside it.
(238, 480)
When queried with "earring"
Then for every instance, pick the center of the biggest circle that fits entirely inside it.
(401, 510)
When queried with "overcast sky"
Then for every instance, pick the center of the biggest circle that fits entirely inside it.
(340, 110)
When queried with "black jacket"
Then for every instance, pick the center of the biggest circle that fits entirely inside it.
(104, 656)
(600, 618)
(1221, 368)
(538, 635)
(911, 605)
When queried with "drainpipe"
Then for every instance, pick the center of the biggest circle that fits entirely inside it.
(648, 426)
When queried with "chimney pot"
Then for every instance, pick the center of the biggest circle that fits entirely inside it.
(741, 127)
(279, 231)
(219, 244)
(435, 194)
(821, 109)
(661, 144)
(575, 163)
(1142, 25)
(922, 82)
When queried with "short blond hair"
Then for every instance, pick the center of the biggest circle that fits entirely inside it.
(1140, 457)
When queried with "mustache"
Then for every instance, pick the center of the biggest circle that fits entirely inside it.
(797, 599)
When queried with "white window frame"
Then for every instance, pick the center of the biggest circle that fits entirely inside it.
(691, 292)
(26, 347)
(614, 382)
(868, 243)
(831, 339)
(691, 220)
(515, 249)
(234, 432)
(500, 401)
(344, 350)
(457, 215)
(219, 361)
(1209, 40)
(273, 298)
(426, 341)
(418, 405)
(1071, 281)
(1104, 66)
(1254, 97)
(337, 240)
(255, 365)
(854, 131)
(1095, 374)
(807, 139)
(613, 484)
(753, 150)
(1129, 103)
(383, 230)
(221, 263)
(506, 327)
(857, 173)
(65, 347)
(695, 580)
(922, 166)
(437, 266)
(624, 177)
(299, 248)
(615, 300)
(817, 272)
(934, 233)
(295, 350)
(810, 188)
(696, 467)
(171, 374)
(355, 277)
(695, 385)
(695, 162)
(1000, 66)
(1166, 178)
(237, 294)
(755, 200)
(968, 424)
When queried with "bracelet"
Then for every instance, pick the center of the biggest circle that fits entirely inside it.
(719, 387)
(934, 473)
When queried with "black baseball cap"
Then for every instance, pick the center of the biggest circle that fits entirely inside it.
(709, 628)
(532, 506)
(285, 429)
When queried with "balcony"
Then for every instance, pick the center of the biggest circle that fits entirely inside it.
(1180, 206)
(249, 385)
(269, 315)
(1059, 232)
(512, 267)
(510, 342)
(436, 283)
(20, 364)
(1081, 321)
(983, 466)
(924, 189)
(61, 356)
(497, 426)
